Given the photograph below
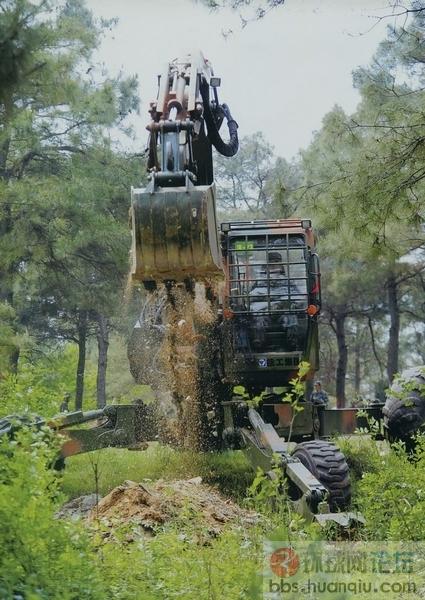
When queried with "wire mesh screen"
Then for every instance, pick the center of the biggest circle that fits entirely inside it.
(268, 273)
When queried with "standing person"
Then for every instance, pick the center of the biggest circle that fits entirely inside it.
(319, 397)
(64, 407)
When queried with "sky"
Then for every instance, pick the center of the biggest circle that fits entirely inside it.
(279, 75)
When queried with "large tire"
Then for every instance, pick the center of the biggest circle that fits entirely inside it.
(404, 410)
(327, 463)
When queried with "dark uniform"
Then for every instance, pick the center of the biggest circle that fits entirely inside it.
(319, 398)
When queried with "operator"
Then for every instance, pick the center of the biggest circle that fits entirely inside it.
(319, 397)
(276, 288)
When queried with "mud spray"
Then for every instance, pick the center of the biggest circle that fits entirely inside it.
(173, 349)
(185, 356)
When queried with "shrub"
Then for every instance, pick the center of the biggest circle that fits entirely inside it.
(39, 386)
(40, 556)
(362, 454)
(392, 498)
(173, 565)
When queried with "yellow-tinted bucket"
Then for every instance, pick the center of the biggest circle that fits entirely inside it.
(175, 234)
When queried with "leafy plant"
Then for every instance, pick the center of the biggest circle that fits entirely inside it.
(40, 385)
(40, 557)
(392, 495)
(268, 494)
(296, 393)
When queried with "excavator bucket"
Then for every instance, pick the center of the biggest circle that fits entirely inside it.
(175, 234)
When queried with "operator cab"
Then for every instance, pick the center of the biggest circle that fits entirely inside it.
(272, 300)
(268, 285)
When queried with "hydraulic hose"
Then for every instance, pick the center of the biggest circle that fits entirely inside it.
(226, 149)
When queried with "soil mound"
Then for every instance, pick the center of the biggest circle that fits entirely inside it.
(154, 504)
(151, 505)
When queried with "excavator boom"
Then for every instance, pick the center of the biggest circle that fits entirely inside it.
(174, 225)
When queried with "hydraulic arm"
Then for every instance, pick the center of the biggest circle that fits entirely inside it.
(175, 233)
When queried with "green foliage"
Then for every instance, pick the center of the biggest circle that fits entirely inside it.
(363, 456)
(76, 229)
(63, 186)
(41, 385)
(51, 107)
(392, 496)
(172, 566)
(52, 559)
(267, 491)
(119, 381)
(254, 184)
(182, 559)
(297, 383)
(40, 557)
(402, 387)
(268, 494)
(9, 340)
(296, 393)
(363, 187)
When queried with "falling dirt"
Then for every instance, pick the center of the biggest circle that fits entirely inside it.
(153, 505)
(171, 350)
(181, 360)
(190, 360)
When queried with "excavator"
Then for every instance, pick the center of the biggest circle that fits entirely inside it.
(228, 334)
(260, 282)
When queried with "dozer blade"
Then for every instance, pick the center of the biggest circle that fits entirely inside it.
(175, 235)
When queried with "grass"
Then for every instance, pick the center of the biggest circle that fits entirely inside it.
(229, 471)
(182, 560)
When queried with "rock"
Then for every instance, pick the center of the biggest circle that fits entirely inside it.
(78, 507)
(195, 480)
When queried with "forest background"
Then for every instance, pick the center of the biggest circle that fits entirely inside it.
(65, 308)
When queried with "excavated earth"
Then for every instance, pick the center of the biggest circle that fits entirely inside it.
(150, 506)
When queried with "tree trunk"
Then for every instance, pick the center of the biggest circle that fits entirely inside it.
(393, 341)
(102, 360)
(14, 360)
(357, 372)
(341, 369)
(6, 225)
(82, 339)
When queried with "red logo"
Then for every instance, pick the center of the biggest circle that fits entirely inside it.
(284, 562)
